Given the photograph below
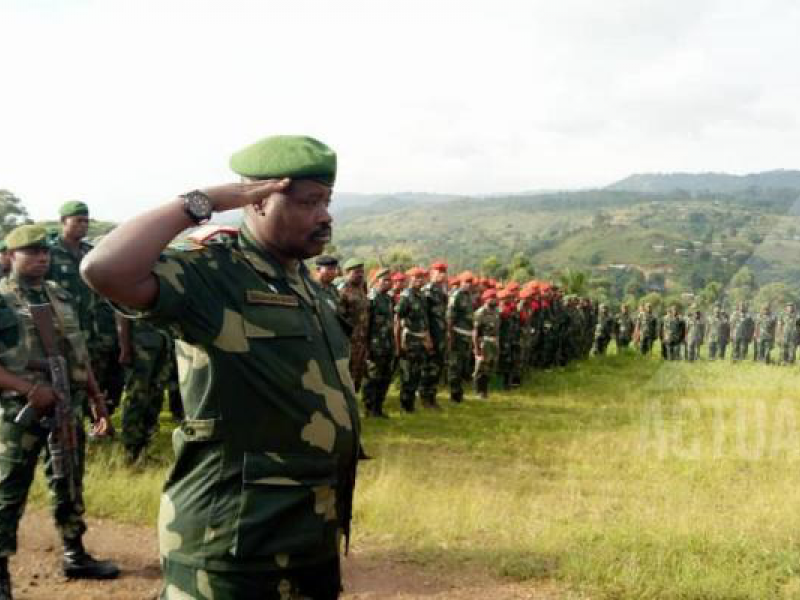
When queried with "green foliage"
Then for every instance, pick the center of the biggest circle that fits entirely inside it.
(12, 212)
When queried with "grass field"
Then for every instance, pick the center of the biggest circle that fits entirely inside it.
(620, 477)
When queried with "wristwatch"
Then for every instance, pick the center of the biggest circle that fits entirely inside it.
(198, 206)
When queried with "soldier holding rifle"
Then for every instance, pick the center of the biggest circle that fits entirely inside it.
(44, 376)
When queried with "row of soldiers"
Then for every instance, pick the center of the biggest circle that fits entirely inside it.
(430, 326)
(130, 358)
(682, 336)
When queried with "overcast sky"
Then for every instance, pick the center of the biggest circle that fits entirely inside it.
(127, 103)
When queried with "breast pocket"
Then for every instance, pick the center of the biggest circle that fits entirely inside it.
(287, 505)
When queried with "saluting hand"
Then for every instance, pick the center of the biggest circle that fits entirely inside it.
(236, 195)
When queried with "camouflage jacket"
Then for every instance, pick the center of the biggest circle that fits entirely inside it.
(413, 314)
(695, 330)
(20, 343)
(605, 326)
(673, 329)
(436, 301)
(354, 309)
(265, 461)
(330, 294)
(509, 330)
(623, 326)
(487, 324)
(65, 271)
(718, 329)
(765, 327)
(460, 312)
(380, 329)
(647, 325)
(742, 326)
(788, 328)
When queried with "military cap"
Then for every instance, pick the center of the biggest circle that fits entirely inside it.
(381, 273)
(416, 272)
(293, 156)
(326, 260)
(439, 266)
(27, 236)
(353, 263)
(399, 276)
(74, 208)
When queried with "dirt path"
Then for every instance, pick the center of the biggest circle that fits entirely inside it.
(37, 576)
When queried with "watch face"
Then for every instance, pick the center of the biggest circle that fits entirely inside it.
(199, 205)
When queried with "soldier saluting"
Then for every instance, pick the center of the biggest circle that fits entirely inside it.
(261, 491)
(41, 341)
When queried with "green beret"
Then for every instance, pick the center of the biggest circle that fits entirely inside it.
(384, 272)
(74, 208)
(27, 236)
(353, 263)
(293, 156)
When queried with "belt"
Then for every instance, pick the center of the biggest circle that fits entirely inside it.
(462, 331)
(415, 334)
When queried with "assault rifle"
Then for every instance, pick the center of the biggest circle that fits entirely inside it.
(62, 441)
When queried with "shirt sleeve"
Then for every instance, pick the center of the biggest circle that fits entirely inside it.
(188, 300)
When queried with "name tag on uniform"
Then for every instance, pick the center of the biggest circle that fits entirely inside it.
(259, 297)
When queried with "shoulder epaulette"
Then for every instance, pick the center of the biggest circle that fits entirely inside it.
(207, 235)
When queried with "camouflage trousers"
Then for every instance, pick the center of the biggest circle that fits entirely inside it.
(485, 366)
(715, 349)
(376, 383)
(318, 582)
(358, 360)
(108, 372)
(600, 345)
(740, 348)
(623, 343)
(411, 364)
(693, 351)
(646, 345)
(506, 360)
(458, 365)
(146, 379)
(788, 353)
(432, 370)
(20, 447)
(671, 350)
(763, 351)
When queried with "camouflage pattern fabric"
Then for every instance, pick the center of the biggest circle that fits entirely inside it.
(20, 446)
(672, 336)
(742, 329)
(716, 334)
(603, 332)
(146, 379)
(487, 327)
(412, 312)
(354, 309)
(104, 352)
(525, 344)
(646, 330)
(623, 330)
(695, 334)
(509, 345)
(319, 582)
(65, 271)
(265, 460)
(459, 317)
(381, 356)
(766, 325)
(788, 336)
(436, 302)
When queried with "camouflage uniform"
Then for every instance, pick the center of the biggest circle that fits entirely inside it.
(623, 330)
(413, 316)
(695, 334)
(459, 320)
(146, 379)
(105, 355)
(354, 309)
(603, 331)
(381, 355)
(525, 343)
(509, 343)
(716, 330)
(436, 303)
(646, 330)
(65, 271)
(261, 489)
(787, 336)
(766, 324)
(672, 335)
(742, 329)
(487, 328)
(20, 446)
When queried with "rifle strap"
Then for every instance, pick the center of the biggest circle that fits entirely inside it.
(44, 322)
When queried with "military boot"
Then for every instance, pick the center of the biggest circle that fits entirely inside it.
(79, 564)
(5, 580)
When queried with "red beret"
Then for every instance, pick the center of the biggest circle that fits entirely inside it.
(490, 293)
(399, 276)
(416, 272)
(439, 266)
